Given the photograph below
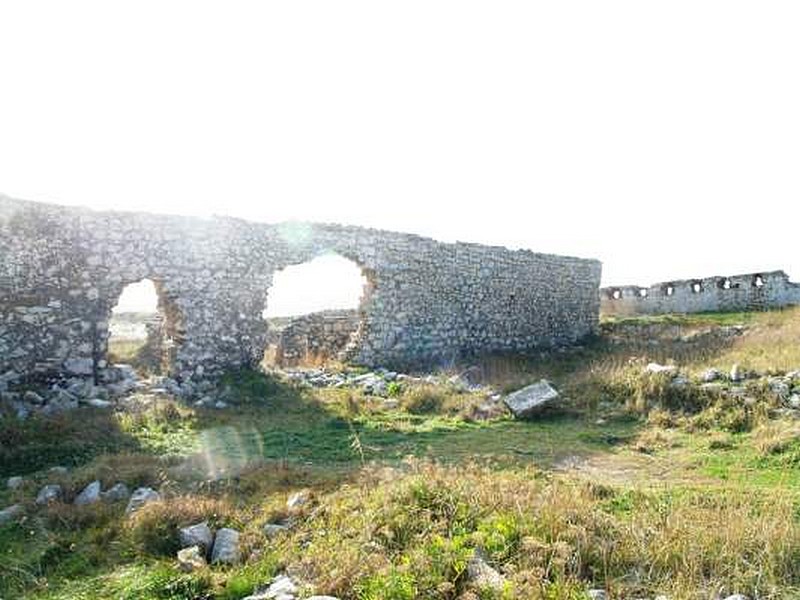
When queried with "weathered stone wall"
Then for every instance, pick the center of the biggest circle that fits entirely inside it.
(315, 337)
(62, 269)
(753, 291)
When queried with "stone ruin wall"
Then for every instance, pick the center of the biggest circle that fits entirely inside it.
(62, 269)
(750, 292)
(314, 338)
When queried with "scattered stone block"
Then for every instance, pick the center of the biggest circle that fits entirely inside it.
(226, 547)
(657, 368)
(190, 559)
(117, 492)
(140, 497)
(529, 400)
(298, 500)
(49, 493)
(280, 588)
(482, 575)
(273, 530)
(99, 403)
(89, 495)
(199, 534)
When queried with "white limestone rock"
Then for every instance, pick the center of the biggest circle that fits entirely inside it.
(117, 492)
(99, 403)
(49, 493)
(280, 588)
(529, 400)
(199, 534)
(191, 558)
(140, 497)
(657, 368)
(226, 547)
(273, 530)
(89, 495)
(482, 575)
(297, 500)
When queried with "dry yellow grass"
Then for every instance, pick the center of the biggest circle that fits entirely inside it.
(771, 344)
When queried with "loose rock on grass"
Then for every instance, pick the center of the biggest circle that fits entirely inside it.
(199, 534)
(190, 559)
(49, 493)
(89, 495)
(226, 547)
(140, 497)
(529, 400)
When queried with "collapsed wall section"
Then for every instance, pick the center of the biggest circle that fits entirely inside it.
(749, 292)
(313, 338)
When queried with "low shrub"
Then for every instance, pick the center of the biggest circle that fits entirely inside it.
(776, 437)
(154, 527)
(424, 399)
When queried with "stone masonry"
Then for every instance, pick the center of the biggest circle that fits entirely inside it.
(316, 337)
(754, 291)
(62, 269)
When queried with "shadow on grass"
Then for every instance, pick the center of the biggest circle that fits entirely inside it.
(294, 426)
(69, 439)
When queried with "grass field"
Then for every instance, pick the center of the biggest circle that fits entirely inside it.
(633, 485)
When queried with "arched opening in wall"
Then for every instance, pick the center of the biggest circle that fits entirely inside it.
(142, 329)
(616, 294)
(669, 289)
(643, 292)
(315, 311)
(725, 283)
(758, 281)
(697, 287)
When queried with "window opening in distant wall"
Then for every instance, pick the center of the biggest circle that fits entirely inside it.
(758, 281)
(697, 287)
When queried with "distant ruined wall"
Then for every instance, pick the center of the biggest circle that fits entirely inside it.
(754, 291)
(323, 335)
(62, 269)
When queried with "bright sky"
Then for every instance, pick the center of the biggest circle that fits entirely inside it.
(660, 137)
